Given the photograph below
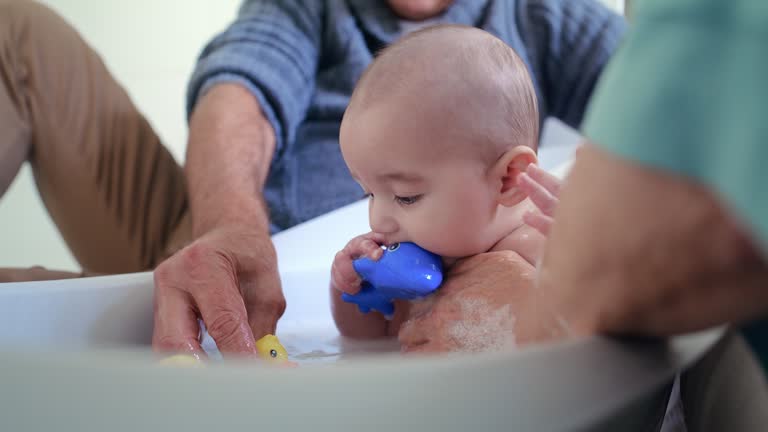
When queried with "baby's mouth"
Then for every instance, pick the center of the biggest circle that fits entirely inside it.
(389, 241)
(448, 262)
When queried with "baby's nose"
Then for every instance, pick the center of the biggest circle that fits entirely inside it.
(382, 222)
(383, 225)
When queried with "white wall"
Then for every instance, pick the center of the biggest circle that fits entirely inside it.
(150, 46)
(617, 5)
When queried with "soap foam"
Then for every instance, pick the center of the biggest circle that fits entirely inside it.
(482, 328)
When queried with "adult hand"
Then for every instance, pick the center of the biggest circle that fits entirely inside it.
(486, 303)
(636, 250)
(229, 278)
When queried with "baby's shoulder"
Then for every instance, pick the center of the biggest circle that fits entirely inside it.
(526, 241)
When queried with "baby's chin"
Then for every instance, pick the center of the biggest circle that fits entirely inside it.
(449, 252)
(451, 255)
(449, 262)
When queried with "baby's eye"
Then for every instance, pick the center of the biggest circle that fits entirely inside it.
(409, 200)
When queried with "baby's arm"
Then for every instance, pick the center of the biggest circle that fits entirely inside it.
(354, 324)
(349, 320)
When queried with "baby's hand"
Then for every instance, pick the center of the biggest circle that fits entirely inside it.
(343, 275)
(544, 189)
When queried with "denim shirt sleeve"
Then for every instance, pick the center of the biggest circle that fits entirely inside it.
(272, 49)
(577, 38)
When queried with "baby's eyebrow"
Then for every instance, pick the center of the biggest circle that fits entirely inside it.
(401, 176)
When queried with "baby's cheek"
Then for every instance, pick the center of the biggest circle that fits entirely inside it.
(454, 243)
(449, 231)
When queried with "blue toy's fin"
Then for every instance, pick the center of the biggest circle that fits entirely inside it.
(369, 299)
(349, 298)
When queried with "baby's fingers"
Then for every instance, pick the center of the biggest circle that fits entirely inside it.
(550, 182)
(364, 246)
(540, 222)
(343, 275)
(540, 196)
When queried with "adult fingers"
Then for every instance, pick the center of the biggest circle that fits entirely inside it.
(210, 279)
(264, 301)
(175, 319)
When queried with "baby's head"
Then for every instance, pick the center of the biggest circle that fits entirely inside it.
(437, 131)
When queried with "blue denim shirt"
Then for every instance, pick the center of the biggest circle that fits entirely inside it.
(301, 60)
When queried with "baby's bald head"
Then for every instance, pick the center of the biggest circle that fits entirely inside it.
(461, 78)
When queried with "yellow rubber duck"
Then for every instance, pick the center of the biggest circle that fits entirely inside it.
(271, 350)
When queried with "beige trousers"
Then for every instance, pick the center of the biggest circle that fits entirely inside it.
(115, 193)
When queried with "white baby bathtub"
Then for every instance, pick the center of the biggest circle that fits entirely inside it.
(74, 355)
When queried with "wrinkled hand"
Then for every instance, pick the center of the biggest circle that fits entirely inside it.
(229, 278)
(663, 255)
(543, 189)
(343, 275)
(486, 303)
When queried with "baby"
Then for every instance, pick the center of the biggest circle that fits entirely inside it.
(438, 132)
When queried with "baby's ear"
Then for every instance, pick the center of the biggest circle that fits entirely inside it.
(506, 170)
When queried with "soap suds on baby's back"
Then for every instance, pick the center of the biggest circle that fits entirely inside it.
(483, 328)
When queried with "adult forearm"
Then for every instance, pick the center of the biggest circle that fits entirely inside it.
(231, 145)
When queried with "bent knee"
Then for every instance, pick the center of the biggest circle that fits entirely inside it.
(22, 15)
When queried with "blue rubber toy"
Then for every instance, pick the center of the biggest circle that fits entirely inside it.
(404, 272)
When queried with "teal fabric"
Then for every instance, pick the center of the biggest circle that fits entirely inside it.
(688, 92)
